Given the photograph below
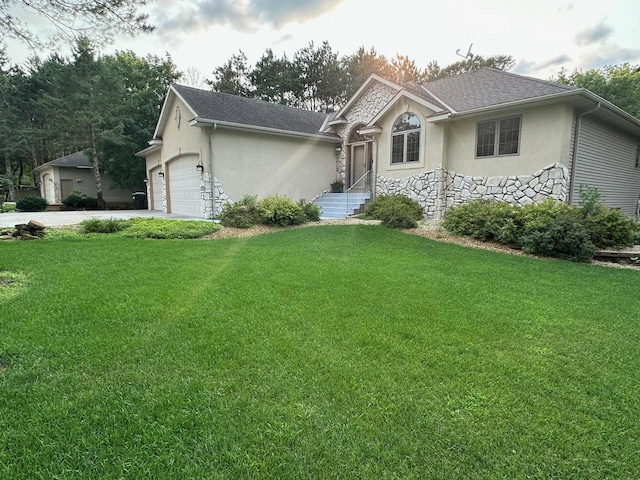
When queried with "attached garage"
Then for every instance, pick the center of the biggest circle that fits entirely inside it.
(184, 186)
(156, 189)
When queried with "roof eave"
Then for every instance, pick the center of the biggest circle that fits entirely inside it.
(549, 99)
(148, 150)
(205, 122)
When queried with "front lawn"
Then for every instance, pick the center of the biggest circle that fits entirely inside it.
(321, 352)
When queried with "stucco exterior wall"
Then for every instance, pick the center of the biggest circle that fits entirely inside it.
(545, 139)
(431, 142)
(265, 164)
(81, 179)
(178, 138)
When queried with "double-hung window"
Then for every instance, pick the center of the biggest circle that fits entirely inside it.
(405, 139)
(498, 137)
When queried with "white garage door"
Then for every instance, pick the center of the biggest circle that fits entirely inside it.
(184, 186)
(156, 189)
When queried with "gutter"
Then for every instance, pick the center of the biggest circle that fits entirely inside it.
(574, 156)
(201, 122)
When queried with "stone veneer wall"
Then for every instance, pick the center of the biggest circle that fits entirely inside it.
(220, 197)
(362, 111)
(437, 190)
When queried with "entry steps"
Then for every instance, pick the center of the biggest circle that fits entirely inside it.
(341, 205)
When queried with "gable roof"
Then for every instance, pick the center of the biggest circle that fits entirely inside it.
(208, 107)
(74, 160)
(490, 87)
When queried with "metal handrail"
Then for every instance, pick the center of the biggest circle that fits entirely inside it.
(363, 184)
(367, 181)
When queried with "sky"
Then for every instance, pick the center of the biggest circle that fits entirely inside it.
(543, 36)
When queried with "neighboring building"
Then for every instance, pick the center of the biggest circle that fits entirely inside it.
(60, 177)
(487, 134)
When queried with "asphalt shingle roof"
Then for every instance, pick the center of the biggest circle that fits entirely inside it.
(78, 159)
(223, 107)
(488, 87)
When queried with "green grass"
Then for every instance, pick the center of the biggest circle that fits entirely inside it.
(322, 352)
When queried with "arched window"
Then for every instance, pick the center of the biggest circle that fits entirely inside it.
(405, 139)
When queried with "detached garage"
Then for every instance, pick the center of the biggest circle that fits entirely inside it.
(211, 148)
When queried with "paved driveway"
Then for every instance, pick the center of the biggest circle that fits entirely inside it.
(56, 219)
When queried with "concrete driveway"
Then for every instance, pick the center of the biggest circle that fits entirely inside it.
(56, 219)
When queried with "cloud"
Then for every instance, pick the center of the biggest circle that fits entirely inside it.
(242, 15)
(610, 54)
(598, 34)
(554, 62)
(525, 67)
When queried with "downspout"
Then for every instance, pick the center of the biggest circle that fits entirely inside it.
(574, 156)
(213, 183)
(374, 166)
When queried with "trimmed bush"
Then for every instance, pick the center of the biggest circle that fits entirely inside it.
(397, 215)
(31, 203)
(486, 220)
(563, 237)
(610, 228)
(383, 201)
(311, 210)
(242, 214)
(281, 211)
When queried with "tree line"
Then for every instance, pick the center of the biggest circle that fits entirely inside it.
(107, 106)
(317, 78)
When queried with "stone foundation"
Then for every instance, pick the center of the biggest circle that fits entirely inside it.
(438, 190)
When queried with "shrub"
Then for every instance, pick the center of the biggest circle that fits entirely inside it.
(486, 220)
(78, 201)
(383, 201)
(636, 236)
(397, 215)
(563, 237)
(311, 210)
(242, 214)
(31, 203)
(281, 211)
(103, 225)
(610, 228)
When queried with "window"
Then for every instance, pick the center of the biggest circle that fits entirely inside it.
(405, 139)
(505, 133)
(638, 156)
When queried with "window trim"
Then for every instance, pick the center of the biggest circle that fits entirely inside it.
(405, 142)
(637, 164)
(496, 140)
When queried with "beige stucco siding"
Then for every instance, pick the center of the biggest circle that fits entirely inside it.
(266, 164)
(178, 138)
(431, 142)
(544, 140)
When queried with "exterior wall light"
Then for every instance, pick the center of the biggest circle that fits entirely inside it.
(78, 180)
(200, 167)
(161, 173)
(146, 180)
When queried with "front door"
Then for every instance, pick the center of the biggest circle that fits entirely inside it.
(359, 163)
